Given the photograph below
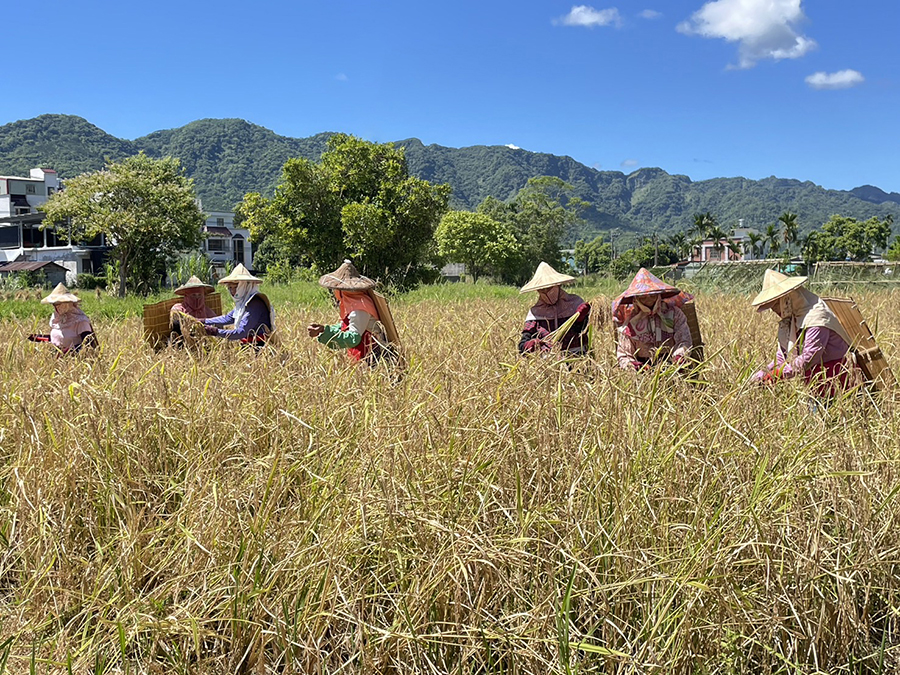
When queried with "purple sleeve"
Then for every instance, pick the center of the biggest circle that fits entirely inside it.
(814, 340)
(256, 316)
(223, 320)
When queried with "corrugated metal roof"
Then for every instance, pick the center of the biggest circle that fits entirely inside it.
(28, 266)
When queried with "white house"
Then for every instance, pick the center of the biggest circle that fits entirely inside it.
(22, 239)
(226, 242)
(21, 236)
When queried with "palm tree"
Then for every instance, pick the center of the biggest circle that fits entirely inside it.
(756, 242)
(717, 235)
(703, 223)
(679, 243)
(790, 227)
(772, 237)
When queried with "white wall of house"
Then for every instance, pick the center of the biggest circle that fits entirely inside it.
(234, 247)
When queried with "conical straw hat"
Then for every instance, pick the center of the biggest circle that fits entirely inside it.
(346, 278)
(646, 283)
(60, 294)
(239, 273)
(545, 277)
(193, 282)
(776, 284)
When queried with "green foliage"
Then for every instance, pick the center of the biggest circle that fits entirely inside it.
(856, 239)
(89, 282)
(483, 244)
(19, 281)
(627, 264)
(358, 202)
(229, 158)
(538, 216)
(594, 256)
(145, 207)
(187, 265)
(893, 253)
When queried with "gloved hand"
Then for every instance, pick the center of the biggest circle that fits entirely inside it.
(211, 330)
(584, 309)
(38, 338)
(761, 377)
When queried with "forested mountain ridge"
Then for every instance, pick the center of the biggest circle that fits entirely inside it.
(230, 157)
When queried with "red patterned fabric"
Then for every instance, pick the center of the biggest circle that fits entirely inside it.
(643, 284)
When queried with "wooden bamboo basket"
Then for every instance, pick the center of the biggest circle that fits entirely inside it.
(156, 318)
(869, 356)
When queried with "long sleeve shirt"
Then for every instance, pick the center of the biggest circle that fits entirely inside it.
(820, 345)
(336, 337)
(255, 321)
(629, 349)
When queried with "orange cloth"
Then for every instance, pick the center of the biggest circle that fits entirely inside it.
(351, 302)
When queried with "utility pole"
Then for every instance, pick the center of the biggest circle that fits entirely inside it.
(655, 250)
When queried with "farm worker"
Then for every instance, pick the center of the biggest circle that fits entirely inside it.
(193, 303)
(811, 340)
(193, 299)
(359, 331)
(70, 329)
(554, 307)
(650, 324)
(252, 318)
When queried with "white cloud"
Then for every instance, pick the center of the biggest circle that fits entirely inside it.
(842, 79)
(629, 163)
(763, 29)
(583, 15)
(340, 77)
(650, 14)
(513, 147)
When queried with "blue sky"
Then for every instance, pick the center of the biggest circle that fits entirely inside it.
(725, 88)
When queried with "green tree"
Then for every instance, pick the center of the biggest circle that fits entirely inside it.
(539, 215)
(789, 229)
(483, 244)
(893, 253)
(595, 255)
(772, 238)
(145, 207)
(755, 242)
(856, 239)
(358, 202)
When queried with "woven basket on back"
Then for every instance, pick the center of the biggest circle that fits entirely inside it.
(156, 318)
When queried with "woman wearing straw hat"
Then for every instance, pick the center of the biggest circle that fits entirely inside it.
(359, 331)
(193, 304)
(650, 323)
(252, 318)
(811, 340)
(554, 308)
(70, 329)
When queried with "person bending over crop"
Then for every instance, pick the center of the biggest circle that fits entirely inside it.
(359, 331)
(252, 318)
(650, 324)
(193, 303)
(811, 340)
(70, 329)
(553, 310)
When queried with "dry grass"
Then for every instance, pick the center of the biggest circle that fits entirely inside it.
(295, 514)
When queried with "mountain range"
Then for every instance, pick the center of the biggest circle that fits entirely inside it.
(230, 157)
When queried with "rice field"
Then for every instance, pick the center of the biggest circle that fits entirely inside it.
(292, 513)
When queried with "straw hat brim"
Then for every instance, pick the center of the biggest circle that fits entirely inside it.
(334, 283)
(181, 290)
(547, 284)
(663, 293)
(776, 291)
(62, 297)
(237, 278)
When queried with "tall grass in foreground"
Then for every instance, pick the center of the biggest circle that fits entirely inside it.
(292, 513)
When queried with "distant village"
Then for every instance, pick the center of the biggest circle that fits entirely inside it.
(27, 246)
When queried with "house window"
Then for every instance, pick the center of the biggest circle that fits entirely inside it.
(9, 237)
(29, 188)
(22, 210)
(32, 237)
(238, 242)
(220, 222)
(215, 245)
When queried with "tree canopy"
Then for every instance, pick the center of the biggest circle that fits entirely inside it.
(145, 207)
(484, 245)
(358, 202)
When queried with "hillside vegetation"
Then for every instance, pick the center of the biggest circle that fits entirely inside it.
(230, 157)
